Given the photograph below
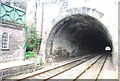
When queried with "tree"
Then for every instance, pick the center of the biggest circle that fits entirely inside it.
(33, 40)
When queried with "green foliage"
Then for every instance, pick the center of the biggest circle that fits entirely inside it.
(34, 39)
(29, 47)
(30, 54)
(41, 62)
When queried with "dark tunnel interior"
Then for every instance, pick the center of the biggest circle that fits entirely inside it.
(78, 35)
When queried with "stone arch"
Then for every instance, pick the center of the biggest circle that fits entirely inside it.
(81, 27)
(78, 10)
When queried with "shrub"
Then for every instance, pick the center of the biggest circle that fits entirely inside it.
(30, 54)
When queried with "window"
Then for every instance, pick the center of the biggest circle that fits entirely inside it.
(5, 41)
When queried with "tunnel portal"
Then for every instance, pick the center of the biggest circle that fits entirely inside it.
(77, 35)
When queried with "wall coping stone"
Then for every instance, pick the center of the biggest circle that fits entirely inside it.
(14, 64)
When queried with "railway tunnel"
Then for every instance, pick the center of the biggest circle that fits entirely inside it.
(78, 35)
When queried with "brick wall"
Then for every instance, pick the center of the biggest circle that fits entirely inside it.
(16, 40)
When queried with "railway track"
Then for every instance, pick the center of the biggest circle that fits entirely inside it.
(98, 70)
(48, 74)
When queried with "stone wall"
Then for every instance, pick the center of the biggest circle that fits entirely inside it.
(91, 8)
(11, 72)
(16, 41)
(77, 35)
(57, 11)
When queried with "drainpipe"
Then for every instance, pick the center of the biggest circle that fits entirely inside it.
(25, 32)
(24, 44)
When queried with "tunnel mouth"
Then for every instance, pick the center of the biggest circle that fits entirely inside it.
(76, 36)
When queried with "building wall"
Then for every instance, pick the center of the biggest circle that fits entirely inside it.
(105, 7)
(16, 41)
(54, 12)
